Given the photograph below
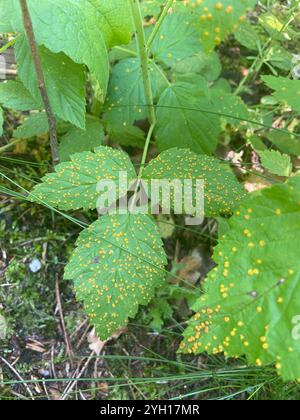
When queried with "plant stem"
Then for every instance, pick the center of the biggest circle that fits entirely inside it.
(9, 145)
(159, 22)
(9, 44)
(41, 80)
(143, 54)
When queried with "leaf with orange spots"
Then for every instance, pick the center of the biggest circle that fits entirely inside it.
(251, 302)
(221, 188)
(286, 91)
(117, 265)
(218, 19)
(74, 184)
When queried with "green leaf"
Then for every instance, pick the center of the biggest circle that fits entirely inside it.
(218, 19)
(77, 140)
(251, 303)
(14, 95)
(1, 121)
(286, 91)
(183, 122)
(228, 104)
(126, 98)
(176, 40)
(222, 191)
(117, 265)
(35, 125)
(115, 20)
(206, 65)
(247, 36)
(287, 143)
(73, 185)
(276, 163)
(152, 8)
(65, 81)
(72, 27)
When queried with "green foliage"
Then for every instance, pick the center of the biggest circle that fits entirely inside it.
(126, 99)
(176, 40)
(184, 119)
(64, 81)
(118, 263)
(73, 185)
(250, 303)
(287, 143)
(286, 91)
(1, 121)
(77, 140)
(276, 163)
(221, 188)
(218, 19)
(34, 125)
(14, 95)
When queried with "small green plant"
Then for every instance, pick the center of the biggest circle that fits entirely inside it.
(162, 84)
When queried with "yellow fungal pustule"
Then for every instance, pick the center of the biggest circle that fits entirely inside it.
(219, 6)
(229, 9)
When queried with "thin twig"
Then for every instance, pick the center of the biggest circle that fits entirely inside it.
(18, 376)
(71, 385)
(63, 324)
(41, 80)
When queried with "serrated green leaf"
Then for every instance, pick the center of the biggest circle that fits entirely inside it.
(183, 122)
(276, 163)
(286, 91)
(73, 185)
(228, 104)
(115, 20)
(218, 19)
(14, 95)
(34, 125)
(286, 143)
(251, 299)
(222, 191)
(77, 140)
(72, 27)
(65, 81)
(117, 265)
(126, 98)
(176, 40)
(247, 36)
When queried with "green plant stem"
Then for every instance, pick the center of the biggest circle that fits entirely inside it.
(159, 22)
(9, 145)
(143, 54)
(9, 44)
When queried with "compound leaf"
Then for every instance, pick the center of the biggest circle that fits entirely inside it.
(222, 191)
(64, 79)
(73, 185)
(117, 265)
(251, 303)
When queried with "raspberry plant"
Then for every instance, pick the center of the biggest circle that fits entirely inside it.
(155, 77)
